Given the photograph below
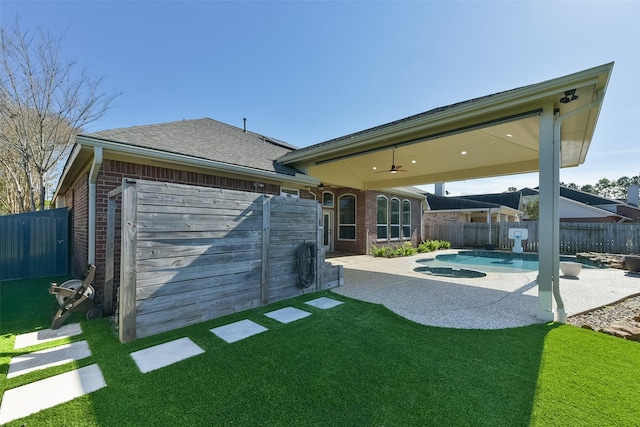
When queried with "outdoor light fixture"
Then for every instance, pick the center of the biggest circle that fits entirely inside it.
(321, 186)
(569, 95)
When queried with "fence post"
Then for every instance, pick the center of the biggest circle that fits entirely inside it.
(319, 246)
(128, 276)
(266, 239)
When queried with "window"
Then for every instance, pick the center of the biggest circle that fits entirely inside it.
(287, 192)
(383, 218)
(312, 195)
(406, 219)
(395, 218)
(347, 217)
(327, 199)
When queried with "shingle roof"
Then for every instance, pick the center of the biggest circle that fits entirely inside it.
(586, 198)
(578, 196)
(511, 199)
(440, 203)
(206, 139)
(410, 118)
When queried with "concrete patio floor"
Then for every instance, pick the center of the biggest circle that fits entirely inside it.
(499, 300)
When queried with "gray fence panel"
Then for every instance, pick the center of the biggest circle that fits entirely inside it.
(34, 244)
(574, 237)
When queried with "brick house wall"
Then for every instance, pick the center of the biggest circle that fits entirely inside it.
(366, 220)
(629, 212)
(600, 219)
(110, 177)
(77, 200)
(434, 217)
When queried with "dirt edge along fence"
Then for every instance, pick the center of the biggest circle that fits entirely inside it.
(190, 254)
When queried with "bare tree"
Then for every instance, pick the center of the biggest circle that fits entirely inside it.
(45, 101)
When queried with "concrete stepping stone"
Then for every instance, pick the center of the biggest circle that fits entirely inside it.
(323, 303)
(287, 314)
(47, 358)
(238, 330)
(46, 335)
(166, 354)
(34, 397)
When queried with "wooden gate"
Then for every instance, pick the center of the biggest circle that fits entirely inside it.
(190, 254)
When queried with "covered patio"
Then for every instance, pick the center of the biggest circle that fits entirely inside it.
(537, 128)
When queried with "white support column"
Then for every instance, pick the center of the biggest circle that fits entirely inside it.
(549, 183)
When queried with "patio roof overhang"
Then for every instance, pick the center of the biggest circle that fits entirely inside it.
(484, 137)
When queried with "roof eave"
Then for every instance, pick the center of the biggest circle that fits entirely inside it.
(510, 99)
(194, 161)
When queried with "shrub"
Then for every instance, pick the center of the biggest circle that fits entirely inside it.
(385, 252)
(406, 249)
(433, 245)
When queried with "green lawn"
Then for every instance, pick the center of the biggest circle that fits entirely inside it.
(355, 364)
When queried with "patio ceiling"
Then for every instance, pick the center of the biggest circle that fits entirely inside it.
(489, 136)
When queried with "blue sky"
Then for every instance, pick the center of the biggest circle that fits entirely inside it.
(305, 72)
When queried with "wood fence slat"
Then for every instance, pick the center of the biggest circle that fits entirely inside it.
(574, 237)
(200, 253)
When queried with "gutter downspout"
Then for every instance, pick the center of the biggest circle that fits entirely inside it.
(562, 314)
(93, 178)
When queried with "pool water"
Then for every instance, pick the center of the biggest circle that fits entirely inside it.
(488, 261)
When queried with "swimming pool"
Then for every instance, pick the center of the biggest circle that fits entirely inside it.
(489, 261)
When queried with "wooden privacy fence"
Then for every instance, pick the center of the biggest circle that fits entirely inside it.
(574, 236)
(190, 254)
(34, 244)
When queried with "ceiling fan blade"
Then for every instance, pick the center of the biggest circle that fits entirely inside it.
(394, 168)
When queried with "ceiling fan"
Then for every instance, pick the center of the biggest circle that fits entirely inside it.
(394, 168)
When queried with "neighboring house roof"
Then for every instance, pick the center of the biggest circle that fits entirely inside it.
(586, 198)
(511, 199)
(578, 196)
(441, 203)
(590, 204)
(206, 139)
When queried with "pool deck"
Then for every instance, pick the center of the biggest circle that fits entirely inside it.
(499, 300)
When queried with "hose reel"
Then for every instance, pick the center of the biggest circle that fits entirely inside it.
(307, 254)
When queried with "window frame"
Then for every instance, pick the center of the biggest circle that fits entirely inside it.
(380, 225)
(333, 202)
(289, 192)
(394, 227)
(342, 225)
(405, 226)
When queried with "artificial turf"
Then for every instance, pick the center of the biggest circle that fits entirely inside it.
(354, 364)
